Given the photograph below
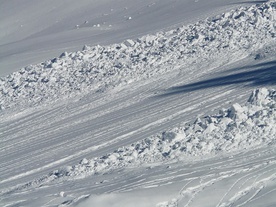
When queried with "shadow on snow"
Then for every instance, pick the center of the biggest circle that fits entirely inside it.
(263, 74)
(251, 2)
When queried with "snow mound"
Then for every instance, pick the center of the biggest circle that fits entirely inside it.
(240, 127)
(228, 36)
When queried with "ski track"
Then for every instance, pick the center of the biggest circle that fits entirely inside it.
(259, 166)
(197, 181)
(52, 135)
(100, 125)
(99, 134)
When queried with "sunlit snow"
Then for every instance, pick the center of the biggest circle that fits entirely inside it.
(137, 103)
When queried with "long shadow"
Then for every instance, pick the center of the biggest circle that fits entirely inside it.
(251, 2)
(250, 67)
(263, 74)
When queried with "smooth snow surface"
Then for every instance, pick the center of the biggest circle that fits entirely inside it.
(160, 114)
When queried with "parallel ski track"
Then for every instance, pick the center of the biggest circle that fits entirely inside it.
(45, 139)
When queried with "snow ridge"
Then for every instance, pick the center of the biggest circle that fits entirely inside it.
(227, 36)
(240, 127)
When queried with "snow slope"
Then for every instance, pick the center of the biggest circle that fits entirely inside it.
(118, 122)
(219, 39)
(239, 127)
(32, 31)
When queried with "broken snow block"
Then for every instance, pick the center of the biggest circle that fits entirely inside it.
(168, 136)
(85, 47)
(64, 54)
(237, 112)
(129, 43)
(259, 97)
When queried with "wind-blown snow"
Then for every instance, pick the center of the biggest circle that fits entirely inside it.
(240, 33)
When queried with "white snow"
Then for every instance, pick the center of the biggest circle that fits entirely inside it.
(235, 34)
(158, 114)
(32, 31)
(234, 129)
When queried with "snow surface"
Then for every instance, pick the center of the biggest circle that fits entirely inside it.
(239, 127)
(142, 122)
(32, 31)
(240, 33)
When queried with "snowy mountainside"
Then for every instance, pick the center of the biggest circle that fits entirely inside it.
(249, 127)
(234, 34)
(237, 128)
(32, 31)
(116, 125)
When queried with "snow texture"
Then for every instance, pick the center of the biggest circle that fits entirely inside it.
(240, 33)
(240, 127)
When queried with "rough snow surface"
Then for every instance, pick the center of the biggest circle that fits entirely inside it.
(238, 128)
(238, 33)
(32, 31)
(128, 130)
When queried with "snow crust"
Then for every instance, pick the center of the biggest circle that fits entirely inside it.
(240, 127)
(239, 32)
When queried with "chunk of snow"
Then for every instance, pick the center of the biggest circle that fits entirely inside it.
(142, 58)
(129, 43)
(229, 132)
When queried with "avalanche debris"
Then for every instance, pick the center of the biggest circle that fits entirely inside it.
(234, 34)
(240, 127)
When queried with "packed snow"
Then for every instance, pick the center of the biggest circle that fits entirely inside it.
(156, 117)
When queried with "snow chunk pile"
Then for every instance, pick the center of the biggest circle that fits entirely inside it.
(240, 127)
(224, 37)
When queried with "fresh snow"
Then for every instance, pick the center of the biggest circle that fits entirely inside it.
(160, 116)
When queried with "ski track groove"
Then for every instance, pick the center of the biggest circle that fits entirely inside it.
(44, 139)
(238, 181)
(147, 108)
